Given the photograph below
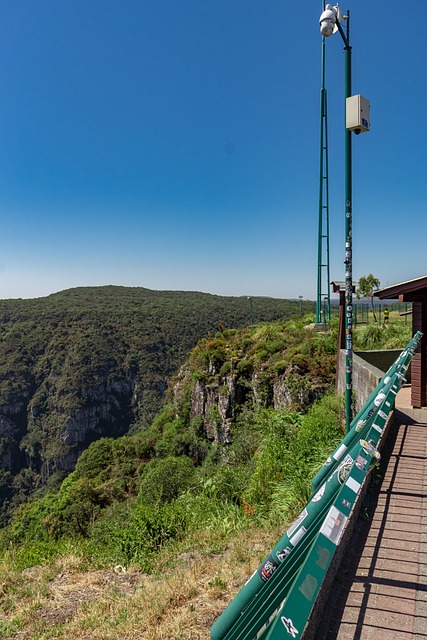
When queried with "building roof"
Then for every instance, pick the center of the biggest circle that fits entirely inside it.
(339, 285)
(410, 291)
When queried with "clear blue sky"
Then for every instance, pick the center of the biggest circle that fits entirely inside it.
(175, 145)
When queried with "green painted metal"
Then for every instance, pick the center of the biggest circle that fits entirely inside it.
(248, 615)
(294, 535)
(265, 603)
(323, 300)
(291, 619)
(348, 230)
(361, 422)
(348, 238)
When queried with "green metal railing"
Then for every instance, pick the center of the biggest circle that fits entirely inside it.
(277, 599)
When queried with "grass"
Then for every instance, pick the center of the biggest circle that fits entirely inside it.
(193, 584)
(393, 335)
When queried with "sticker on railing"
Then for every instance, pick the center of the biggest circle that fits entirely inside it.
(353, 485)
(340, 451)
(319, 495)
(297, 537)
(281, 555)
(333, 525)
(289, 626)
(297, 522)
(268, 568)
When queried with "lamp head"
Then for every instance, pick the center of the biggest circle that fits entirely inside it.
(329, 18)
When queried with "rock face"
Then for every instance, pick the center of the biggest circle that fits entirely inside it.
(13, 427)
(36, 429)
(216, 405)
(106, 407)
(216, 400)
(267, 366)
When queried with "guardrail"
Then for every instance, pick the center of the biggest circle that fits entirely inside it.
(278, 598)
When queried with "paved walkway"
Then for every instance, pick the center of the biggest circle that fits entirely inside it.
(381, 590)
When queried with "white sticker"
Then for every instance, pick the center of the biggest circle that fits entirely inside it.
(379, 399)
(297, 537)
(297, 522)
(353, 484)
(333, 525)
(340, 452)
(319, 495)
(289, 626)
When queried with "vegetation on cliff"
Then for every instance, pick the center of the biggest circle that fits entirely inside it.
(95, 362)
(233, 431)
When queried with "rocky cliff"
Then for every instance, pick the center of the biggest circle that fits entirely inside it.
(279, 366)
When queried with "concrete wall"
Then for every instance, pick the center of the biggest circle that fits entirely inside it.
(365, 378)
(380, 359)
(368, 369)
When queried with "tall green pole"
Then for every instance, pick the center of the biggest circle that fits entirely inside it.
(348, 237)
(323, 274)
(348, 247)
(320, 229)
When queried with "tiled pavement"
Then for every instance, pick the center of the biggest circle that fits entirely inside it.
(380, 592)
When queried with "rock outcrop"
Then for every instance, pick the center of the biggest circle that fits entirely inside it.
(217, 386)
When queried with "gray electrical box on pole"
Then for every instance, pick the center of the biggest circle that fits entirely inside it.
(357, 114)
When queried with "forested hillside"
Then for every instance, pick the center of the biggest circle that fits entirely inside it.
(218, 408)
(95, 362)
(229, 457)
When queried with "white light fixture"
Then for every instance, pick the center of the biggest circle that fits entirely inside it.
(329, 18)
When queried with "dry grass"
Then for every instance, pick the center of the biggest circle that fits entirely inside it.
(65, 600)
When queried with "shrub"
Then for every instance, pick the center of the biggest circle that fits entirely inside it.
(227, 484)
(164, 479)
(320, 432)
(278, 429)
(375, 336)
(294, 446)
(134, 532)
(96, 458)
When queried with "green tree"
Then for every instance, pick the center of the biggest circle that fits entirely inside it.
(164, 479)
(366, 289)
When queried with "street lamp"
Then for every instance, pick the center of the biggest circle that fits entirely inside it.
(330, 23)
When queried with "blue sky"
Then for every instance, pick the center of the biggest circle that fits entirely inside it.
(176, 145)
